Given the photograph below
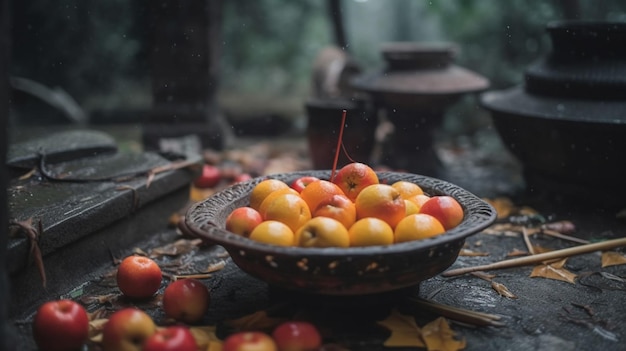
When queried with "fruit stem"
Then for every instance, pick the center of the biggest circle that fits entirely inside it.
(339, 143)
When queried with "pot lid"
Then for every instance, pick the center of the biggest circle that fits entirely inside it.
(517, 101)
(420, 69)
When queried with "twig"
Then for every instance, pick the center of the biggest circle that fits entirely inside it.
(529, 246)
(563, 236)
(459, 314)
(538, 258)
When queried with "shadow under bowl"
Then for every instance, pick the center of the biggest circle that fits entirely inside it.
(340, 271)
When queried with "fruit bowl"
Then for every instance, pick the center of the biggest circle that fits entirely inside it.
(339, 271)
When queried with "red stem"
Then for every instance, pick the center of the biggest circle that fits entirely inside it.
(339, 143)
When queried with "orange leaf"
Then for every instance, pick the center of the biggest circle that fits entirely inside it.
(439, 337)
(554, 271)
(612, 258)
(256, 321)
(502, 290)
(404, 331)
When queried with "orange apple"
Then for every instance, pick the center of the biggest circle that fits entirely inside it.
(127, 330)
(381, 201)
(243, 220)
(445, 208)
(300, 183)
(338, 207)
(139, 277)
(322, 232)
(186, 300)
(249, 341)
(354, 177)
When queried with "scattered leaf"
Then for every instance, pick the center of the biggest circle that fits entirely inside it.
(99, 299)
(95, 329)
(179, 247)
(504, 206)
(404, 331)
(502, 290)
(255, 321)
(612, 258)
(214, 267)
(483, 275)
(139, 251)
(438, 336)
(198, 194)
(467, 252)
(204, 336)
(517, 252)
(554, 271)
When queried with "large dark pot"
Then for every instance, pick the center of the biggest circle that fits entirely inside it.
(567, 123)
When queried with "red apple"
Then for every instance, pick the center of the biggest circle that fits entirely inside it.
(297, 336)
(243, 177)
(300, 183)
(354, 177)
(60, 325)
(127, 330)
(209, 178)
(139, 277)
(445, 208)
(186, 300)
(176, 338)
(249, 341)
(243, 220)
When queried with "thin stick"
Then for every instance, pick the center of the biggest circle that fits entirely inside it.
(529, 246)
(339, 143)
(538, 258)
(563, 236)
(459, 314)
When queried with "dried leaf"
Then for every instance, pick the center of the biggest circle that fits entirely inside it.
(99, 299)
(404, 331)
(438, 336)
(199, 194)
(139, 251)
(483, 275)
(503, 205)
(551, 272)
(527, 211)
(517, 252)
(95, 329)
(256, 321)
(214, 267)
(179, 247)
(467, 252)
(502, 290)
(204, 336)
(612, 258)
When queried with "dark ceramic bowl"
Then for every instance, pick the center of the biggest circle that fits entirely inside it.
(340, 271)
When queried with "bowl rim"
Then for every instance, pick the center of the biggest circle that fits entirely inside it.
(478, 215)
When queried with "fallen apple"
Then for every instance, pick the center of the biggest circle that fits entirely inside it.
(60, 325)
(297, 336)
(175, 338)
(127, 330)
(138, 277)
(186, 300)
(210, 177)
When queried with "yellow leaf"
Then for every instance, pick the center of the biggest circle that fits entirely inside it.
(256, 321)
(502, 290)
(553, 271)
(204, 335)
(404, 331)
(439, 337)
(612, 258)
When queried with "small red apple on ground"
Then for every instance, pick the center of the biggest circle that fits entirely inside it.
(127, 330)
(243, 177)
(186, 300)
(139, 277)
(249, 341)
(445, 208)
(210, 177)
(60, 325)
(243, 220)
(300, 183)
(176, 338)
(354, 177)
(297, 336)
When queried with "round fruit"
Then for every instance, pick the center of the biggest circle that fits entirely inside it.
(138, 277)
(319, 191)
(264, 188)
(302, 182)
(209, 178)
(186, 300)
(249, 341)
(175, 338)
(380, 201)
(354, 177)
(297, 336)
(370, 231)
(417, 226)
(286, 208)
(338, 207)
(243, 220)
(407, 189)
(60, 325)
(445, 208)
(273, 232)
(322, 232)
(127, 330)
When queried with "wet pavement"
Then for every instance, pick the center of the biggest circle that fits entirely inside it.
(544, 314)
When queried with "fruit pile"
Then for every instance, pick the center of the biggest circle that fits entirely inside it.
(353, 209)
